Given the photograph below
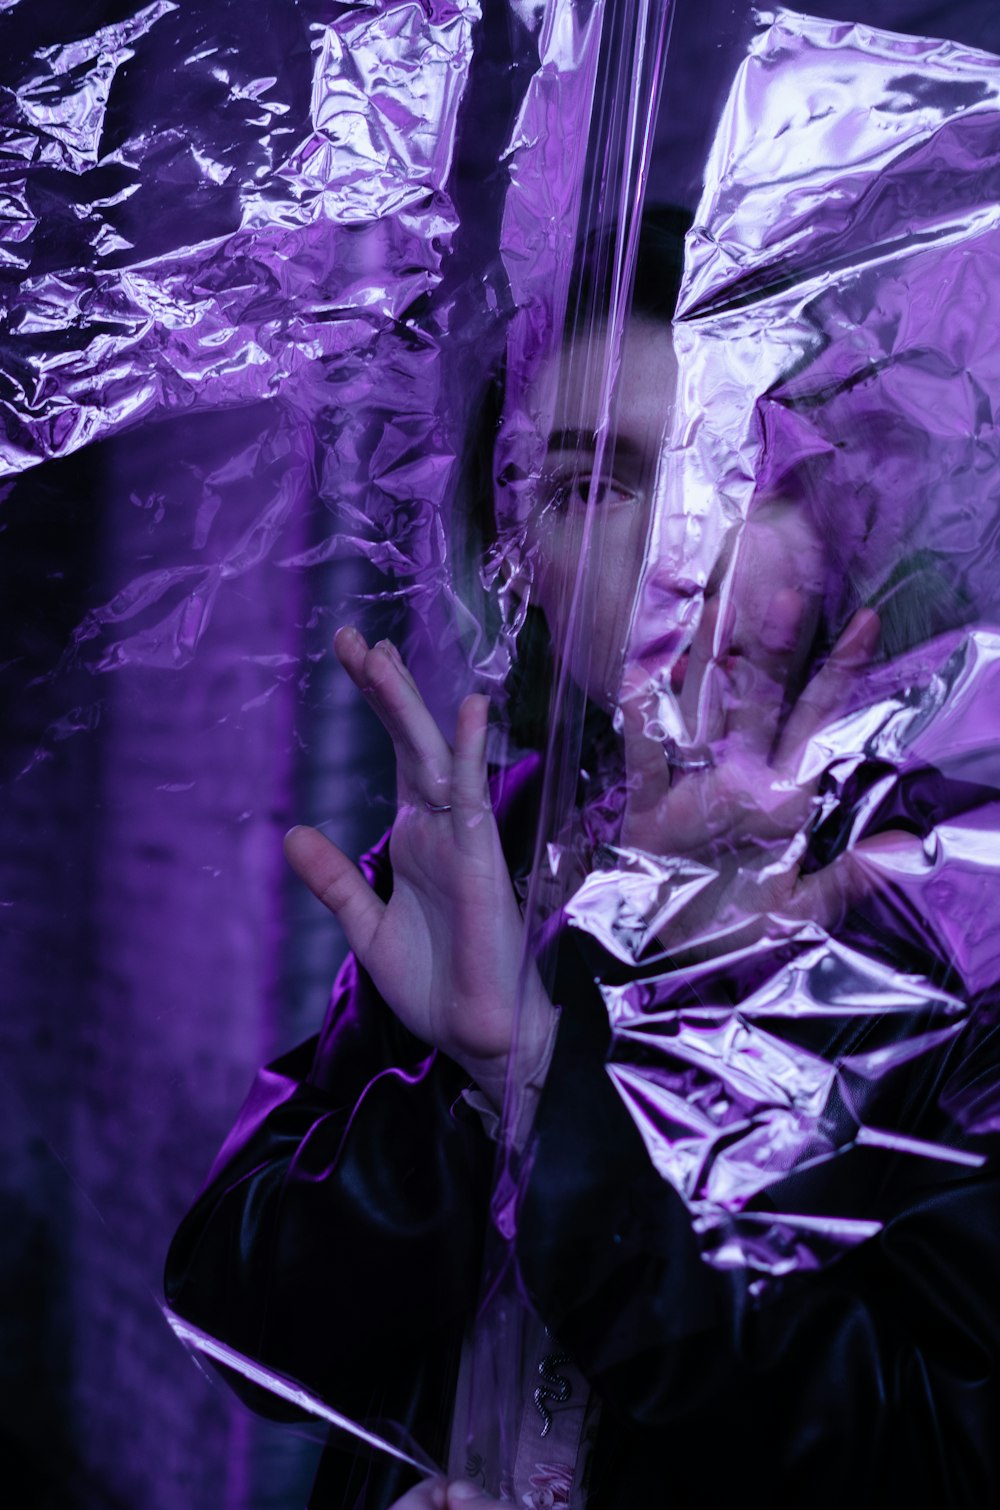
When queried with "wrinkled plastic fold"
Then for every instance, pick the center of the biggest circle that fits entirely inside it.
(835, 365)
(275, 265)
(347, 222)
(707, 504)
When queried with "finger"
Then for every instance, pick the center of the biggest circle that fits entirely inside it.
(827, 693)
(868, 867)
(759, 666)
(826, 896)
(401, 665)
(470, 800)
(423, 756)
(432, 1494)
(422, 753)
(338, 883)
(882, 858)
(463, 1495)
(700, 700)
(646, 769)
(351, 647)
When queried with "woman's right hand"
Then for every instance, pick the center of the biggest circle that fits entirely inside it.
(445, 951)
(740, 799)
(437, 1494)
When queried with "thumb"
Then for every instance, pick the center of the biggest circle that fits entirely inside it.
(463, 1495)
(869, 867)
(429, 1495)
(338, 883)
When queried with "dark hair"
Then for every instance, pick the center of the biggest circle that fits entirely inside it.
(656, 276)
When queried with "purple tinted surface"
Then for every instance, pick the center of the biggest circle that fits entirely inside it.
(836, 390)
(200, 339)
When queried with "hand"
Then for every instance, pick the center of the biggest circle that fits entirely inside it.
(735, 801)
(445, 951)
(437, 1494)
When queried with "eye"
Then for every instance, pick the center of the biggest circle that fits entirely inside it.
(579, 491)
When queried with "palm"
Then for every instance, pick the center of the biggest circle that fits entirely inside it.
(734, 800)
(444, 951)
(444, 955)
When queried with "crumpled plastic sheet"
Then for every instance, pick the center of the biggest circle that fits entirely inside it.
(849, 215)
(308, 242)
(246, 314)
(836, 321)
(582, 52)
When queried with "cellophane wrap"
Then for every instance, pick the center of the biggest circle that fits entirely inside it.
(267, 251)
(775, 847)
(835, 358)
(268, 280)
(226, 425)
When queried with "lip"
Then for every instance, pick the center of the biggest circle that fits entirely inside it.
(661, 649)
(656, 657)
(659, 656)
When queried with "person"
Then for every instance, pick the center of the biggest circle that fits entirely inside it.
(339, 1237)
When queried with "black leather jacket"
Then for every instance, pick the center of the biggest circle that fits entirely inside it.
(339, 1239)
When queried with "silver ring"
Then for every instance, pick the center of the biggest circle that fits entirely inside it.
(680, 759)
(437, 807)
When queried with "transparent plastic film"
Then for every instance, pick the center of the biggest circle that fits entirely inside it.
(782, 878)
(539, 463)
(587, 404)
(583, 424)
(256, 291)
(236, 342)
(765, 558)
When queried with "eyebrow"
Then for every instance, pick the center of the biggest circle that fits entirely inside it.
(577, 441)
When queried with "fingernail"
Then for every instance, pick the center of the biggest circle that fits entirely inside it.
(862, 633)
(871, 624)
(461, 1491)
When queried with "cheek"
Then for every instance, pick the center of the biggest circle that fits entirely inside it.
(557, 549)
(611, 566)
(782, 553)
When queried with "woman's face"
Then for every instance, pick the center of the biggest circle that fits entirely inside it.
(644, 581)
(621, 482)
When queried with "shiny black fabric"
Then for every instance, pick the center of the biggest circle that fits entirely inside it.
(871, 1381)
(339, 1239)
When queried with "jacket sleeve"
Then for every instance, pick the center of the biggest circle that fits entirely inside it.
(873, 1377)
(337, 1238)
